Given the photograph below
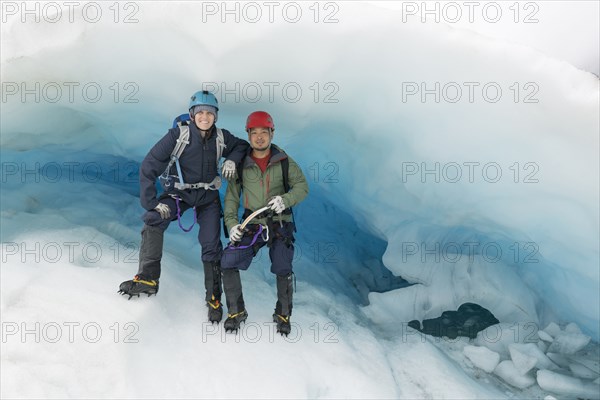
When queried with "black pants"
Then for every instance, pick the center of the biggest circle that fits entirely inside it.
(209, 234)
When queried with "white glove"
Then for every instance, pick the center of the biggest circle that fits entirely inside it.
(276, 204)
(228, 170)
(163, 210)
(236, 234)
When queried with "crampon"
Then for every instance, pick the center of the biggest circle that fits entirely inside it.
(138, 286)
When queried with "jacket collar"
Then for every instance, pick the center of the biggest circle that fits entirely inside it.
(277, 155)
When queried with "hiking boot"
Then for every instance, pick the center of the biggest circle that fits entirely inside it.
(215, 310)
(138, 286)
(233, 321)
(283, 324)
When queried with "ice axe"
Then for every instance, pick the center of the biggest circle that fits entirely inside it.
(253, 215)
(242, 227)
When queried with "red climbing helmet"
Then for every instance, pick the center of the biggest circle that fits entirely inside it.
(259, 119)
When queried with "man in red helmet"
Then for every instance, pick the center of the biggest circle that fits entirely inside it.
(268, 177)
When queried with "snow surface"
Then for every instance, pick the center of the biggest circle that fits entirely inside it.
(70, 212)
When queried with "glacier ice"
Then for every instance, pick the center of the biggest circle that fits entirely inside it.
(368, 223)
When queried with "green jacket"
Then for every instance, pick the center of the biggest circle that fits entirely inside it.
(259, 187)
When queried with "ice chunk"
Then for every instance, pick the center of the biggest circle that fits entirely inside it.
(482, 357)
(522, 361)
(550, 398)
(589, 363)
(559, 359)
(543, 346)
(498, 337)
(572, 328)
(567, 385)
(552, 329)
(545, 336)
(509, 373)
(580, 371)
(569, 343)
(593, 364)
(519, 351)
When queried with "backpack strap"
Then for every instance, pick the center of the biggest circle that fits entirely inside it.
(240, 175)
(285, 170)
(220, 145)
(182, 141)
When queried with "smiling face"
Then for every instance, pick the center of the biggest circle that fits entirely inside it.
(260, 138)
(204, 120)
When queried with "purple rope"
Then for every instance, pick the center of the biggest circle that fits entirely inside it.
(179, 216)
(254, 239)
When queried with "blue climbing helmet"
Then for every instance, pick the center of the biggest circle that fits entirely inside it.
(203, 100)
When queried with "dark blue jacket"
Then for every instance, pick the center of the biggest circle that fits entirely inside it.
(198, 164)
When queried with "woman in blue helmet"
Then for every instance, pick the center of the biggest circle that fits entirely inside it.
(197, 166)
